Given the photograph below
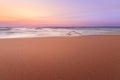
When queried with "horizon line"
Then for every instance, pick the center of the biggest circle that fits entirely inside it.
(63, 27)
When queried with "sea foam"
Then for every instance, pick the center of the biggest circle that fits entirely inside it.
(55, 32)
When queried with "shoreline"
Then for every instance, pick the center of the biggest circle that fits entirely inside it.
(62, 36)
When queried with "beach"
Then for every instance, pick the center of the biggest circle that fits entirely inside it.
(60, 58)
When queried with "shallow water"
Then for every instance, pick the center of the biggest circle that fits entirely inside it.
(54, 32)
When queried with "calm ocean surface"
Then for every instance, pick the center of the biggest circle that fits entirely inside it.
(55, 32)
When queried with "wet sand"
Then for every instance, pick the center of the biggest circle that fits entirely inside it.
(63, 58)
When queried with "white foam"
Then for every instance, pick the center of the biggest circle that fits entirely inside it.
(53, 32)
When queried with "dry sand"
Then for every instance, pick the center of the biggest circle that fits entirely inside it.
(64, 58)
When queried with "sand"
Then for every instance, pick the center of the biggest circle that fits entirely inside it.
(62, 58)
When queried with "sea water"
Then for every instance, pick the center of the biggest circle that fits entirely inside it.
(8, 32)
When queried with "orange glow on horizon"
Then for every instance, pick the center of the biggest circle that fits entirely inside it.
(29, 15)
(23, 14)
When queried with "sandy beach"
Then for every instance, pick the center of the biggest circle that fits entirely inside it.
(60, 58)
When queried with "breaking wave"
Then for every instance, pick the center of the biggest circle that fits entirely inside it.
(54, 32)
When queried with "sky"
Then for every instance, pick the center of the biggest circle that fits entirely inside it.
(44, 13)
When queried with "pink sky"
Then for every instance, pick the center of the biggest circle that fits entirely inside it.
(16, 13)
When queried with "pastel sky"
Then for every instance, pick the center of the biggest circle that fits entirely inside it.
(21, 13)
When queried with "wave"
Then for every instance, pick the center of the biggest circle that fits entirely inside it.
(54, 32)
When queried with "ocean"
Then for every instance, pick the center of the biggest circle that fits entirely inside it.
(8, 32)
